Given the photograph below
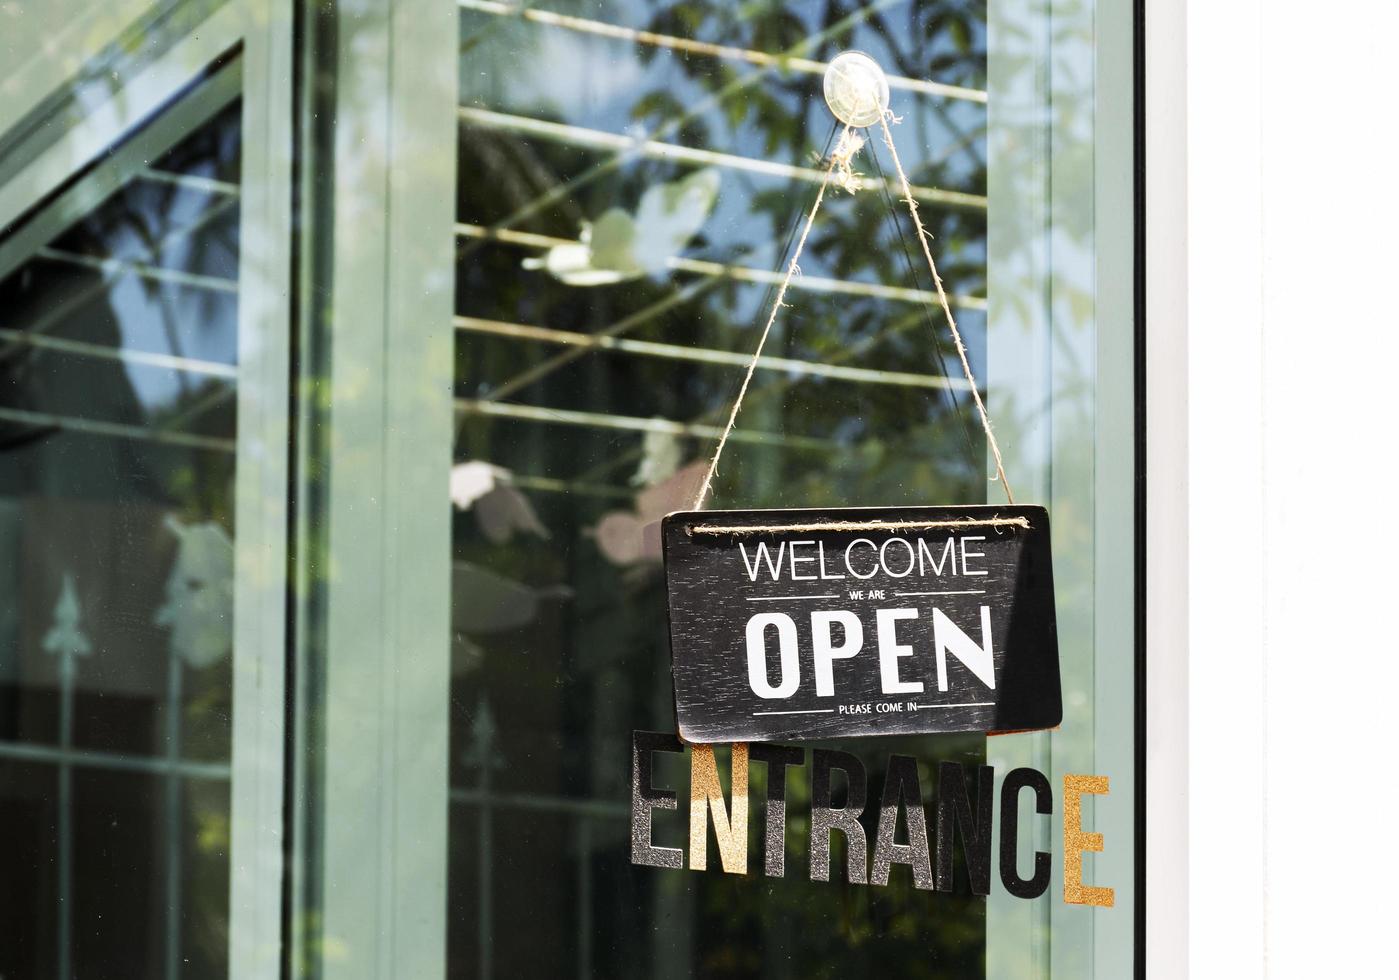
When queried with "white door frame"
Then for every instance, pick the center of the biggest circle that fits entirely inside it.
(1168, 511)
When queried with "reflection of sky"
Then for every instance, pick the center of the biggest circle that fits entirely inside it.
(164, 317)
(595, 83)
(532, 70)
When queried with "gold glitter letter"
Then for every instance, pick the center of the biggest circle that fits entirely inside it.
(1076, 841)
(707, 796)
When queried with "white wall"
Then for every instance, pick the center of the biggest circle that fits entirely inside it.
(1282, 307)
(43, 43)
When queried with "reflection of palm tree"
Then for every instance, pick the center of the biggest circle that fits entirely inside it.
(77, 301)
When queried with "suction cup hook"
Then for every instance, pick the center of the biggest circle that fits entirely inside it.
(856, 89)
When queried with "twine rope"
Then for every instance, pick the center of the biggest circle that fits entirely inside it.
(840, 165)
(908, 525)
(923, 238)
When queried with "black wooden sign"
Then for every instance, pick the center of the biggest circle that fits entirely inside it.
(789, 624)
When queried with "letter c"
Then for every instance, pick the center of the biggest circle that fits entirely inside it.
(851, 545)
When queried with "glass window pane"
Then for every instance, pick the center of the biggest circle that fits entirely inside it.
(627, 204)
(118, 420)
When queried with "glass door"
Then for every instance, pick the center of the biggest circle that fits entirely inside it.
(632, 177)
(350, 353)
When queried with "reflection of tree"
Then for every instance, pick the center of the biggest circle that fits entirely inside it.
(156, 688)
(567, 688)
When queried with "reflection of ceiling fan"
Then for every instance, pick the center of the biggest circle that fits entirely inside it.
(484, 602)
(620, 246)
(633, 537)
(500, 509)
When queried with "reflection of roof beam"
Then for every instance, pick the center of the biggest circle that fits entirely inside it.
(628, 423)
(551, 484)
(601, 140)
(88, 758)
(108, 353)
(209, 185)
(191, 412)
(116, 430)
(535, 801)
(770, 390)
(689, 46)
(815, 284)
(74, 298)
(629, 322)
(116, 267)
(703, 355)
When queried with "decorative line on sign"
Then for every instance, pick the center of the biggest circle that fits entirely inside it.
(958, 522)
(964, 704)
(784, 598)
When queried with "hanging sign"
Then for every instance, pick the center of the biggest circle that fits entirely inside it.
(810, 624)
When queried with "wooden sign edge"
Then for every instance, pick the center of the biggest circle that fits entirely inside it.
(780, 513)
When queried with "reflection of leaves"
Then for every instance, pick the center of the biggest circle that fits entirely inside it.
(484, 602)
(660, 457)
(472, 480)
(500, 509)
(660, 107)
(670, 215)
(618, 537)
(622, 536)
(776, 28)
(505, 510)
(961, 36)
(676, 492)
